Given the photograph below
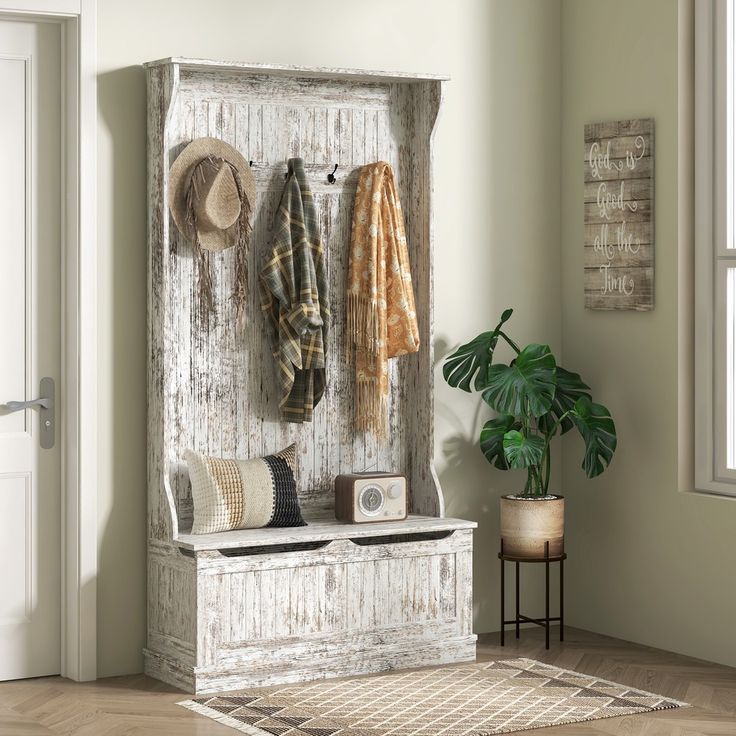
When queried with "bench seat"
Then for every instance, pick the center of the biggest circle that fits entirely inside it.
(319, 528)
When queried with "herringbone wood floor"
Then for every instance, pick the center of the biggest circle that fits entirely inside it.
(139, 706)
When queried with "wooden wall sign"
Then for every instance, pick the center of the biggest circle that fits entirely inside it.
(619, 215)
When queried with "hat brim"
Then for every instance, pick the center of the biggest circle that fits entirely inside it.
(180, 175)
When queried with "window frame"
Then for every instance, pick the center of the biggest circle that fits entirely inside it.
(714, 230)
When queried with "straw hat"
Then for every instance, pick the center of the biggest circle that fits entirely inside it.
(206, 185)
(212, 194)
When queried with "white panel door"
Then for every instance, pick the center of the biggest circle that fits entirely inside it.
(30, 329)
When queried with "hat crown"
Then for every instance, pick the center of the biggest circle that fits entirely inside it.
(217, 199)
(207, 206)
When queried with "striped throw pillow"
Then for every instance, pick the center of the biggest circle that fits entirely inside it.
(243, 494)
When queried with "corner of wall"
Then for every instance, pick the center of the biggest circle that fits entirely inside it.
(685, 243)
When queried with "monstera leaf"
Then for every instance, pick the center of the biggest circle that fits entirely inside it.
(522, 451)
(527, 386)
(473, 359)
(598, 432)
(570, 387)
(470, 361)
(491, 439)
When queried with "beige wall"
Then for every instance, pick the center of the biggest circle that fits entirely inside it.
(648, 562)
(497, 214)
(501, 250)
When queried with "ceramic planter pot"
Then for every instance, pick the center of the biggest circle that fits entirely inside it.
(527, 523)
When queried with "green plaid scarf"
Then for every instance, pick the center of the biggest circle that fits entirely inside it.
(294, 299)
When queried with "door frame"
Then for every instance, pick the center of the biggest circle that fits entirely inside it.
(78, 381)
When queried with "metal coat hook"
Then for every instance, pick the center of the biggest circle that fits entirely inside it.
(250, 163)
(331, 177)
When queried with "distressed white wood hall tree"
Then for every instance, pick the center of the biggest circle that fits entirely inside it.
(265, 606)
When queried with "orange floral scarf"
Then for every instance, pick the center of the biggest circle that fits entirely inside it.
(382, 320)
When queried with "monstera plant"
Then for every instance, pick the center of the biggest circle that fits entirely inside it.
(534, 399)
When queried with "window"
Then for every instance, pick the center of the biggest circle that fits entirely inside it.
(715, 246)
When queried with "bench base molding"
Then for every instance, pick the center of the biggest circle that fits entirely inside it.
(346, 662)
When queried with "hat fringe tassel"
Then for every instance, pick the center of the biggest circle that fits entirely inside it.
(240, 287)
(204, 275)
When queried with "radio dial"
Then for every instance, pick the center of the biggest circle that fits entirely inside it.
(394, 491)
(371, 500)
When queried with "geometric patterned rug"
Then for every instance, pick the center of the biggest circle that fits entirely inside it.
(480, 699)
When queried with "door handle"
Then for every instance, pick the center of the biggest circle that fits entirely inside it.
(47, 415)
(19, 405)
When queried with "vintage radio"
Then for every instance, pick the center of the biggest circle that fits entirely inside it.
(366, 497)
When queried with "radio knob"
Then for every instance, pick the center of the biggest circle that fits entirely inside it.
(394, 491)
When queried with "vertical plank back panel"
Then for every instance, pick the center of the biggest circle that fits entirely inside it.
(214, 389)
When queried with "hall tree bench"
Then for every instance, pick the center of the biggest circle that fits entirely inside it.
(265, 606)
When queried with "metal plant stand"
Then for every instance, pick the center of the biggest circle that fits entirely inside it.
(543, 622)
